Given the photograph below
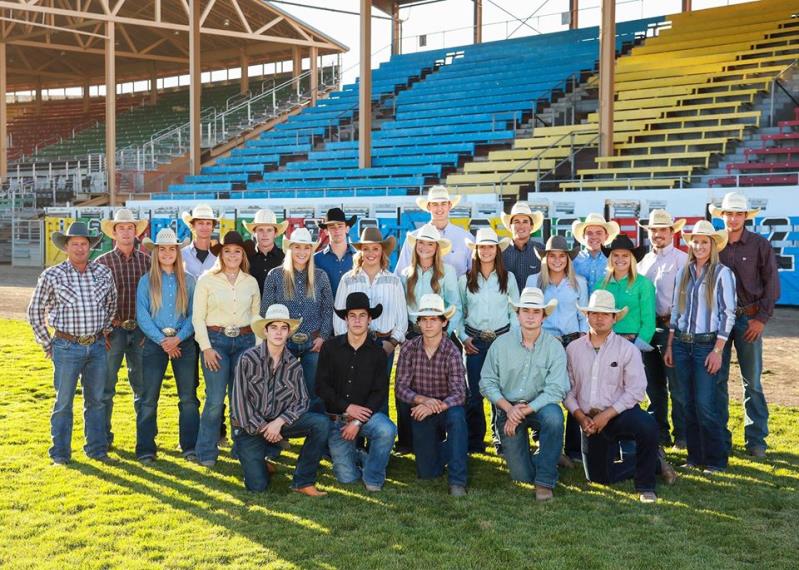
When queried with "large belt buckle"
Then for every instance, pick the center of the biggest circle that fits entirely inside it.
(87, 339)
(129, 325)
(299, 338)
(687, 338)
(232, 332)
(169, 331)
(488, 336)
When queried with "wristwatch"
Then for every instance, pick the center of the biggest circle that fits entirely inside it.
(358, 423)
(716, 351)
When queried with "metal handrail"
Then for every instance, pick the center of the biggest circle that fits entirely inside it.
(776, 82)
(572, 154)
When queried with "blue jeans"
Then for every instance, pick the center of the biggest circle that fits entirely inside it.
(252, 449)
(706, 433)
(540, 468)
(661, 382)
(750, 361)
(217, 384)
(183, 369)
(308, 360)
(475, 413)
(126, 344)
(71, 360)
(379, 432)
(433, 452)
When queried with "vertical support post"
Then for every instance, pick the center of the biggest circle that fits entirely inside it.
(195, 88)
(396, 29)
(314, 74)
(38, 100)
(607, 68)
(365, 88)
(574, 14)
(686, 6)
(86, 98)
(296, 68)
(478, 21)
(153, 85)
(3, 115)
(111, 112)
(245, 71)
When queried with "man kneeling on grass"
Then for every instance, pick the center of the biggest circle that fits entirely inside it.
(524, 376)
(270, 402)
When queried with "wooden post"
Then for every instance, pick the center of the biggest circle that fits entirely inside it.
(478, 21)
(314, 74)
(86, 97)
(245, 71)
(574, 14)
(38, 100)
(686, 6)
(296, 68)
(153, 85)
(607, 67)
(365, 88)
(111, 112)
(396, 29)
(3, 115)
(195, 89)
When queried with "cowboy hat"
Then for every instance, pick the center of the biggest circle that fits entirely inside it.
(533, 298)
(556, 243)
(75, 229)
(602, 301)
(359, 300)
(705, 228)
(336, 215)
(432, 305)
(231, 238)
(429, 232)
(733, 202)
(662, 219)
(373, 235)
(623, 241)
(487, 236)
(578, 227)
(300, 236)
(437, 194)
(266, 217)
(165, 237)
(122, 216)
(200, 212)
(276, 313)
(523, 209)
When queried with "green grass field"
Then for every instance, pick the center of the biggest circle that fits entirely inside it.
(179, 515)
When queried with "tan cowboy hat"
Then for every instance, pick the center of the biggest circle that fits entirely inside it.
(533, 298)
(373, 235)
(122, 216)
(165, 237)
(437, 194)
(556, 243)
(266, 217)
(523, 209)
(602, 301)
(432, 305)
(487, 236)
(75, 229)
(300, 236)
(578, 227)
(662, 219)
(429, 232)
(274, 314)
(200, 212)
(705, 228)
(733, 202)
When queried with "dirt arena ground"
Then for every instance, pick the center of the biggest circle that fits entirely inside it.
(781, 348)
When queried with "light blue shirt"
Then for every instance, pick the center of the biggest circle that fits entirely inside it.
(697, 317)
(591, 267)
(166, 316)
(488, 309)
(448, 291)
(192, 265)
(460, 258)
(566, 318)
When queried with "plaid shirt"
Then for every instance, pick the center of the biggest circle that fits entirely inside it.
(442, 377)
(77, 303)
(126, 271)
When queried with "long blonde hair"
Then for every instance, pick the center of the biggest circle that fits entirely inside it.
(413, 274)
(709, 278)
(357, 261)
(244, 266)
(288, 276)
(632, 273)
(182, 298)
(543, 276)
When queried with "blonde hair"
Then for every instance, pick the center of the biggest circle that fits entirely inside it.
(413, 274)
(632, 273)
(288, 276)
(709, 277)
(543, 276)
(182, 298)
(244, 265)
(357, 260)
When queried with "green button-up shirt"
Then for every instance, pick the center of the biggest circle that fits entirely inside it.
(639, 298)
(514, 372)
(488, 309)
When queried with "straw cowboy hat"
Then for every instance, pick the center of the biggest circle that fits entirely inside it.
(75, 229)
(523, 209)
(487, 236)
(662, 219)
(373, 235)
(429, 232)
(602, 301)
(122, 216)
(533, 298)
(300, 236)
(624, 242)
(557, 243)
(165, 237)
(357, 301)
(578, 227)
(432, 305)
(733, 202)
(276, 313)
(200, 212)
(337, 215)
(231, 238)
(705, 228)
(266, 217)
(437, 194)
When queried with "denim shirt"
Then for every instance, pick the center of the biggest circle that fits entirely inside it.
(166, 316)
(591, 267)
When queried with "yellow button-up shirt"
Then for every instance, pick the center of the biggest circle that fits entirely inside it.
(218, 303)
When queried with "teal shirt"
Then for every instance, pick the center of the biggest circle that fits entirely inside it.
(640, 300)
(488, 309)
(448, 290)
(513, 372)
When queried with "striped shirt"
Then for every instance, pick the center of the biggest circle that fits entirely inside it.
(698, 318)
(661, 268)
(442, 377)
(316, 312)
(77, 303)
(387, 290)
(127, 270)
(263, 392)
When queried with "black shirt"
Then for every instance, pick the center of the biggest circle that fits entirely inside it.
(261, 264)
(347, 376)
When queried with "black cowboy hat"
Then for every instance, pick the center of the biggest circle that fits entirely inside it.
(621, 241)
(359, 301)
(336, 215)
(232, 238)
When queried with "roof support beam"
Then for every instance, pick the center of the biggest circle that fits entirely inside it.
(296, 68)
(365, 88)
(195, 89)
(396, 29)
(110, 113)
(245, 71)
(686, 6)
(607, 73)
(478, 21)
(574, 14)
(314, 75)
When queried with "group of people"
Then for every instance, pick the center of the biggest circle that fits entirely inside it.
(301, 342)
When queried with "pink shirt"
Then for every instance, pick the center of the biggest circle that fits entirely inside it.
(614, 376)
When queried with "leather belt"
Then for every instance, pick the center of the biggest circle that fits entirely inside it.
(663, 321)
(301, 338)
(487, 336)
(567, 338)
(231, 332)
(346, 418)
(128, 325)
(688, 338)
(83, 340)
(749, 310)
(374, 335)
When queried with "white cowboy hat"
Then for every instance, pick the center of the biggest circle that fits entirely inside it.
(533, 298)
(300, 236)
(275, 313)
(578, 227)
(437, 194)
(602, 301)
(733, 202)
(165, 236)
(432, 305)
(122, 216)
(523, 209)
(662, 219)
(429, 232)
(266, 217)
(200, 212)
(705, 228)
(487, 236)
